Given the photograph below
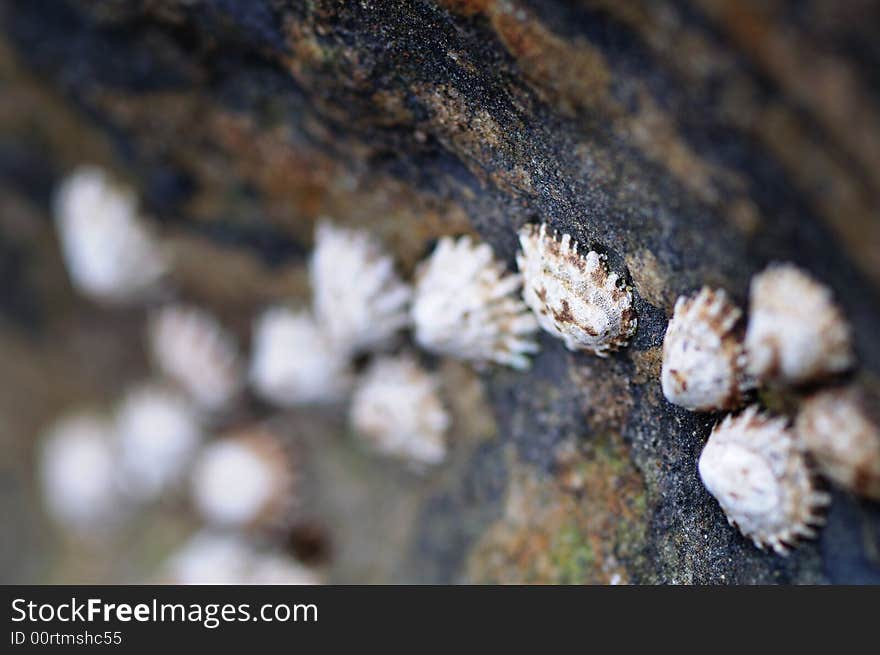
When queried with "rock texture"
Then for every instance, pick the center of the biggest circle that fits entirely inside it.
(692, 141)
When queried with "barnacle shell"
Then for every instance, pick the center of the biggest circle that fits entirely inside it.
(574, 296)
(358, 299)
(396, 408)
(796, 333)
(245, 481)
(109, 251)
(753, 466)
(78, 473)
(293, 361)
(192, 348)
(157, 434)
(703, 359)
(213, 558)
(465, 307)
(841, 429)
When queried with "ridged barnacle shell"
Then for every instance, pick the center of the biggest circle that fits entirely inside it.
(796, 332)
(245, 481)
(573, 295)
(157, 434)
(358, 298)
(397, 409)
(703, 357)
(77, 470)
(465, 306)
(293, 361)
(195, 351)
(109, 251)
(841, 429)
(214, 558)
(753, 465)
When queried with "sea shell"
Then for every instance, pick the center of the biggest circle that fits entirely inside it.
(574, 296)
(396, 408)
(245, 481)
(192, 349)
(753, 465)
(465, 306)
(212, 558)
(703, 358)
(110, 253)
(358, 299)
(157, 434)
(293, 361)
(796, 333)
(77, 469)
(841, 429)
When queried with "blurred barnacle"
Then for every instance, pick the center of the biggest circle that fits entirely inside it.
(110, 253)
(396, 408)
(465, 306)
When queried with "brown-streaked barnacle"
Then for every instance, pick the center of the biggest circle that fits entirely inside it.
(190, 347)
(796, 333)
(840, 427)
(294, 362)
(358, 298)
(755, 468)
(467, 306)
(703, 357)
(246, 480)
(573, 294)
(110, 252)
(396, 408)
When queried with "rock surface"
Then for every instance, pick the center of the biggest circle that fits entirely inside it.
(691, 141)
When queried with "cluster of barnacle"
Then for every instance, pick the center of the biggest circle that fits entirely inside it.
(462, 304)
(758, 466)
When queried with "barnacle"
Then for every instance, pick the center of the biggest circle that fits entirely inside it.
(358, 298)
(396, 408)
(703, 358)
(293, 361)
(841, 429)
(192, 348)
(573, 295)
(215, 558)
(753, 465)
(157, 434)
(796, 333)
(465, 306)
(110, 253)
(245, 480)
(78, 473)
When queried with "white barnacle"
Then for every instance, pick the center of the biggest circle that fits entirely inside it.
(573, 295)
(703, 357)
(157, 434)
(294, 362)
(396, 408)
(841, 430)
(358, 298)
(245, 481)
(466, 306)
(796, 333)
(77, 470)
(191, 348)
(110, 253)
(754, 467)
(215, 558)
